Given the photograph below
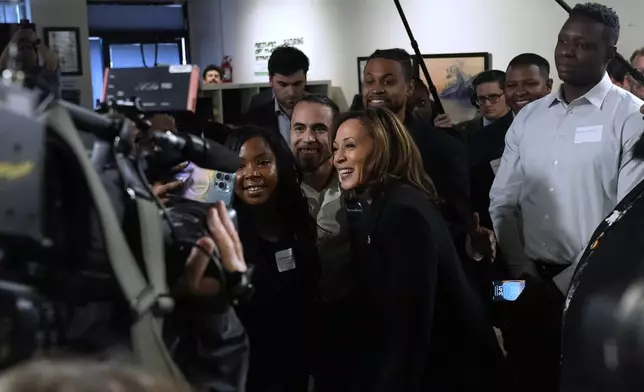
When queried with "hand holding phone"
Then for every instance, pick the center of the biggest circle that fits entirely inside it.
(507, 290)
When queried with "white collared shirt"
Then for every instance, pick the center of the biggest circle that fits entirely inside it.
(564, 168)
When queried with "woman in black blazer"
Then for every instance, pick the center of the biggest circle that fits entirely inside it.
(420, 325)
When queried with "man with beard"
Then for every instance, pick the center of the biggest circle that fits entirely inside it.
(611, 264)
(566, 164)
(311, 123)
(287, 69)
(388, 82)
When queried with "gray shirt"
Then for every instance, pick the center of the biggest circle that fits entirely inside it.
(284, 122)
(564, 168)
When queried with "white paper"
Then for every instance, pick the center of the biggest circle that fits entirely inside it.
(590, 134)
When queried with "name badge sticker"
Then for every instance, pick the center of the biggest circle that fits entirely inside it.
(285, 260)
(495, 165)
(590, 134)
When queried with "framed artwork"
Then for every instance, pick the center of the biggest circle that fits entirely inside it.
(65, 43)
(452, 75)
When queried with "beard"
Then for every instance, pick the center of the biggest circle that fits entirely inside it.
(309, 164)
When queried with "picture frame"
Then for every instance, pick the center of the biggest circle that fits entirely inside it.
(65, 43)
(452, 74)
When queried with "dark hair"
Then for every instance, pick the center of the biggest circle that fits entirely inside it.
(357, 103)
(418, 83)
(212, 67)
(637, 53)
(400, 56)
(489, 76)
(600, 14)
(617, 70)
(291, 202)
(532, 59)
(395, 154)
(322, 100)
(287, 60)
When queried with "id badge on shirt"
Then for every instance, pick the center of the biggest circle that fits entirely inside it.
(285, 260)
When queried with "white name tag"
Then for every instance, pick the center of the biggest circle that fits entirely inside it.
(591, 134)
(285, 260)
(495, 165)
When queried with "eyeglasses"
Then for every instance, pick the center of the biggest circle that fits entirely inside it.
(492, 98)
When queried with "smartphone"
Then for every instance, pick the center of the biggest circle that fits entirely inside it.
(207, 186)
(507, 290)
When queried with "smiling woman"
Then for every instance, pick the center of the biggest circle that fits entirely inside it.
(279, 239)
(408, 269)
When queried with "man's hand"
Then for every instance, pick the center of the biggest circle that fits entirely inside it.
(483, 240)
(163, 190)
(226, 242)
(443, 121)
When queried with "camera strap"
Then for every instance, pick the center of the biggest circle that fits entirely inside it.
(143, 295)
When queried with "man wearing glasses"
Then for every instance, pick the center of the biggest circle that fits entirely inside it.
(488, 97)
(637, 61)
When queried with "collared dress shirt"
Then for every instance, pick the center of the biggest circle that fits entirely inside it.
(564, 168)
(284, 122)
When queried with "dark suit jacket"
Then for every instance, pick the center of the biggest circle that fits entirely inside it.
(445, 161)
(486, 145)
(421, 326)
(464, 130)
(262, 115)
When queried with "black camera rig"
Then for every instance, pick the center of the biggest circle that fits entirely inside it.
(62, 236)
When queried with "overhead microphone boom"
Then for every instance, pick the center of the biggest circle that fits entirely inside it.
(419, 56)
(635, 73)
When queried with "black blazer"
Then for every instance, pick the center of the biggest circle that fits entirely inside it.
(464, 130)
(263, 115)
(486, 145)
(421, 326)
(445, 161)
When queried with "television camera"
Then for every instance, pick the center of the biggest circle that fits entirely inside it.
(64, 241)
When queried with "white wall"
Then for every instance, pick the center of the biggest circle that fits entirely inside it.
(206, 32)
(67, 13)
(338, 31)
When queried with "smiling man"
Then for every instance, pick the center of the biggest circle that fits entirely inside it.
(567, 162)
(311, 123)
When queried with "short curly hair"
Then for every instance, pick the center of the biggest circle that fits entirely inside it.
(601, 14)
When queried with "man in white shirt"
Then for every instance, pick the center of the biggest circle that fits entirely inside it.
(311, 123)
(566, 164)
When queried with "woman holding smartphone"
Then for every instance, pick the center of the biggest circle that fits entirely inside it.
(421, 326)
(279, 240)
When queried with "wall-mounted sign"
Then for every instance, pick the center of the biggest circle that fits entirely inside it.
(264, 49)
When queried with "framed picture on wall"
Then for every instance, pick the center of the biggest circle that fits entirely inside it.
(65, 43)
(452, 75)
